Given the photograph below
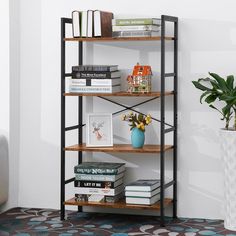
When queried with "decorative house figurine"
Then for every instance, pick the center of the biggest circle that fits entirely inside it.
(140, 80)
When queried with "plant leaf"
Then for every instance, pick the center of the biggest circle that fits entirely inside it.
(211, 98)
(221, 81)
(200, 86)
(230, 81)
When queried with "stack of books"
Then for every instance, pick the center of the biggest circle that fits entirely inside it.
(143, 192)
(95, 79)
(91, 23)
(99, 181)
(136, 27)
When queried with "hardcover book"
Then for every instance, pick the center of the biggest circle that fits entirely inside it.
(95, 68)
(100, 191)
(95, 75)
(142, 193)
(84, 23)
(90, 32)
(91, 177)
(95, 82)
(98, 184)
(113, 199)
(98, 168)
(76, 24)
(143, 185)
(139, 33)
(137, 21)
(135, 27)
(94, 89)
(102, 23)
(142, 201)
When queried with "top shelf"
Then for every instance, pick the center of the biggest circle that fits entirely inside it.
(110, 39)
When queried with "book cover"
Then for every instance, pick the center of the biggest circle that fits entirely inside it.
(137, 21)
(143, 185)
(142, 193)
(94, 89)
(91, 177)
(98, 168)
(113, 199)
(95, 75)
(95, 82)
(100, 191)
(139, 33)
(142, 201)
(102, 23)
(90, 32)
(76, 24)
(96, 198)
(95, 68)
(84, 21)
(98, 184)
(135, 27)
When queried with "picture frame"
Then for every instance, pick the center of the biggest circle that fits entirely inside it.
(99, 130)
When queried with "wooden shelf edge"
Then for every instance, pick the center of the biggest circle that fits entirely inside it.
(121, 94)
(120, 148)
(110, 39)
(121, 204)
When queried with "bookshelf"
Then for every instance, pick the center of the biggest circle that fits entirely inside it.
(158, 149)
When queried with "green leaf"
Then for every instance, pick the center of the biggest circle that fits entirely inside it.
(203, 95)
(211, 98)
(230, 81)
(200, 86)
(221, 81)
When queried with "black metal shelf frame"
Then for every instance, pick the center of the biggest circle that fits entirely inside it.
(163, 130)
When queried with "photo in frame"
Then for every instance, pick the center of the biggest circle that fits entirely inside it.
(99, 131)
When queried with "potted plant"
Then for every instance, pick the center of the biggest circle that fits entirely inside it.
(215, 88)
(137, 126)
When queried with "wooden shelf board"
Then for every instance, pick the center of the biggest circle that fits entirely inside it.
(110, 39)
(127, 148)
(121, 204)
(121, 94)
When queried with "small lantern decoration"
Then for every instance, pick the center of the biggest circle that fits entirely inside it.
(140, 80)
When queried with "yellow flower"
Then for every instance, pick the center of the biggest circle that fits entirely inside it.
(138, 126)
(142, 126)
(148, 119)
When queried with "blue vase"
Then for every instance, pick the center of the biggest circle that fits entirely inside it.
(137, 138)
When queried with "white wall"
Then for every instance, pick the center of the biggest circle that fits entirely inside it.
(4, 79)
(207, 42)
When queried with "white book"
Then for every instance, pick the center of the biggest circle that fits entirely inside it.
(135, 27)
(143, 185)
(96, 198)
(94, 89)
(76, 24)
(84, 22)
(100, 191)
(95, 82)
(91, 177)
(135, 33)
(142, 193)
(142, 201)
(90, 24)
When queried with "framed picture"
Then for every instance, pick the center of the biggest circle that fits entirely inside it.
(99, 131)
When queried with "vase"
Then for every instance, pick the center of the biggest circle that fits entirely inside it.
(228, 154)
(137, 138)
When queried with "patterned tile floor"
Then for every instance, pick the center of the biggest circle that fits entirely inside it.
(25, 222)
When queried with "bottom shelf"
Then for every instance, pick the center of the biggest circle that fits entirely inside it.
(120, 204)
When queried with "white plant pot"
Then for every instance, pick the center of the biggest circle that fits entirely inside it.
(228, 153)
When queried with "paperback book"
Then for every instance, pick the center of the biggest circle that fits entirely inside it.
(144, 33)
(142, 193)
(95, 82)
(135, 28)
(94, 89)
(137, 21)
(142, 201)
(100, 191)
(92, 177)
(98, 184)
(98, 168)
(95, 68)
(94, 75)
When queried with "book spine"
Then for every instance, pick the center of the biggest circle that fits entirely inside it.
(95, 171)
(100, 191)
(94, 184)
(133, 33)
(91, 89)
(121, 22)
(91, 75)
(91, 68)
(110, 178)
(135, 27)
(94, 82)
